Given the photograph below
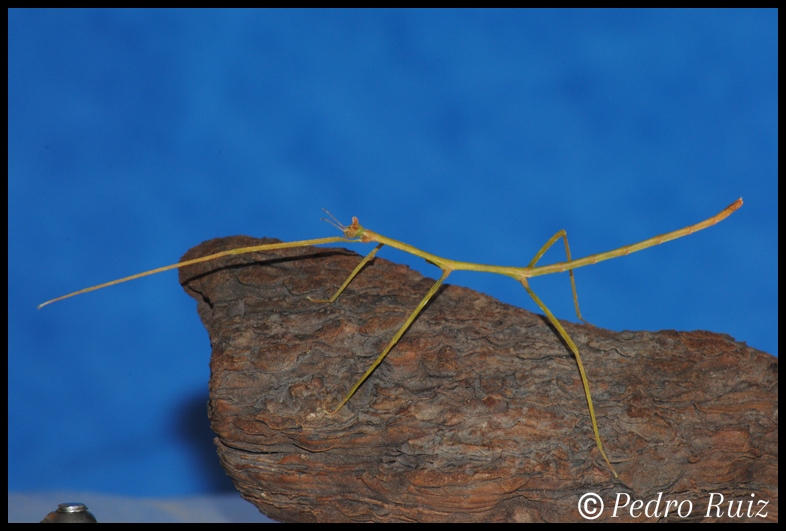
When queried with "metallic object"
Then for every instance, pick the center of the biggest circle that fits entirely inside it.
(70, 513)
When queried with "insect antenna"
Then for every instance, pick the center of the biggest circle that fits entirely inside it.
(333, 221)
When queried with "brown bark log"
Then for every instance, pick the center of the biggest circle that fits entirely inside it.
(478, 414)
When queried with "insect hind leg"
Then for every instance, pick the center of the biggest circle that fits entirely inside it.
(564, 235)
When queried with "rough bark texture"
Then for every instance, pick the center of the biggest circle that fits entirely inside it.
(478, 414)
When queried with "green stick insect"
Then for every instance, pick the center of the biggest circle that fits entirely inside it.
(356, 233)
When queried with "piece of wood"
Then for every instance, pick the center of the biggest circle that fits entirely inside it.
(478, 414)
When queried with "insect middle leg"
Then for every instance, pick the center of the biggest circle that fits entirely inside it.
(396, 337)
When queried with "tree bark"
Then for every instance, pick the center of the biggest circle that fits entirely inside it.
(478, 413)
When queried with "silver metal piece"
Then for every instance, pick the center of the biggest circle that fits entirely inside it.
(70, 512)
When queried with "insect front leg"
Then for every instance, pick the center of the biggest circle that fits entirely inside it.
(352, 275)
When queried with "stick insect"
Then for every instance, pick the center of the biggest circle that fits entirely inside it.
(356, 233)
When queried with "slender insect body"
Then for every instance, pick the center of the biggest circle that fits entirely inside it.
(356, 233)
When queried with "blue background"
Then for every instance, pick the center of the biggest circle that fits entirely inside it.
(475, 135)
